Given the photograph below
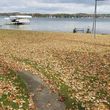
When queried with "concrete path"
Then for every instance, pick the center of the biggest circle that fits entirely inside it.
(42, 97)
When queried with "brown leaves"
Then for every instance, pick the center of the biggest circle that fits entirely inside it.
(61, 98)
(81, 62)
(101, 106)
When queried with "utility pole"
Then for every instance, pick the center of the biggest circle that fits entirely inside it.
(94, 20)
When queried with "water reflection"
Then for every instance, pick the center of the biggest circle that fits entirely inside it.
(18, 27)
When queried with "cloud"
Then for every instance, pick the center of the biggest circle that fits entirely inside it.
(53, 6)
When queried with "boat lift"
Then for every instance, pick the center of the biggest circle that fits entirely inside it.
(18, 19)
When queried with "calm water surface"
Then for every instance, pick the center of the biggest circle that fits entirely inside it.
(60, 24)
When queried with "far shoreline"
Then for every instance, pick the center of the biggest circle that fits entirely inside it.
(59, 15)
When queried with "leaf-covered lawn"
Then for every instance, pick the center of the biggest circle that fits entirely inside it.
(75, 65)
(13, 91)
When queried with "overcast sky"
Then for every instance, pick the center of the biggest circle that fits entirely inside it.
(53, 6)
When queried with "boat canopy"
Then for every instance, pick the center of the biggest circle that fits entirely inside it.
(21, 17)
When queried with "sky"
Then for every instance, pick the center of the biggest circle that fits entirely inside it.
(53, 6)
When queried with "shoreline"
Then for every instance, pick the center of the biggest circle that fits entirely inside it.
(59, 15)
(53, 32)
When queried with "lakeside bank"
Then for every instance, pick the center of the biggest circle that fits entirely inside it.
(67, 62)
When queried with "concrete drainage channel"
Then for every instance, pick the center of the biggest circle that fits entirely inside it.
(42, 97)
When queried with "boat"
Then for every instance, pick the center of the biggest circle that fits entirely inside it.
(18, 19)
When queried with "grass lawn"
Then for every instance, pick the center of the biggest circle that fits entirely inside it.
(13, 91)
(77, 66)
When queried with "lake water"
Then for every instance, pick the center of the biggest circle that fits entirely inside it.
(60, 24)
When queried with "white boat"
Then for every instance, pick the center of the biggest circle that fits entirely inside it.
(18, 19)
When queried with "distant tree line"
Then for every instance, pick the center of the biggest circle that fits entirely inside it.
(61, 15)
